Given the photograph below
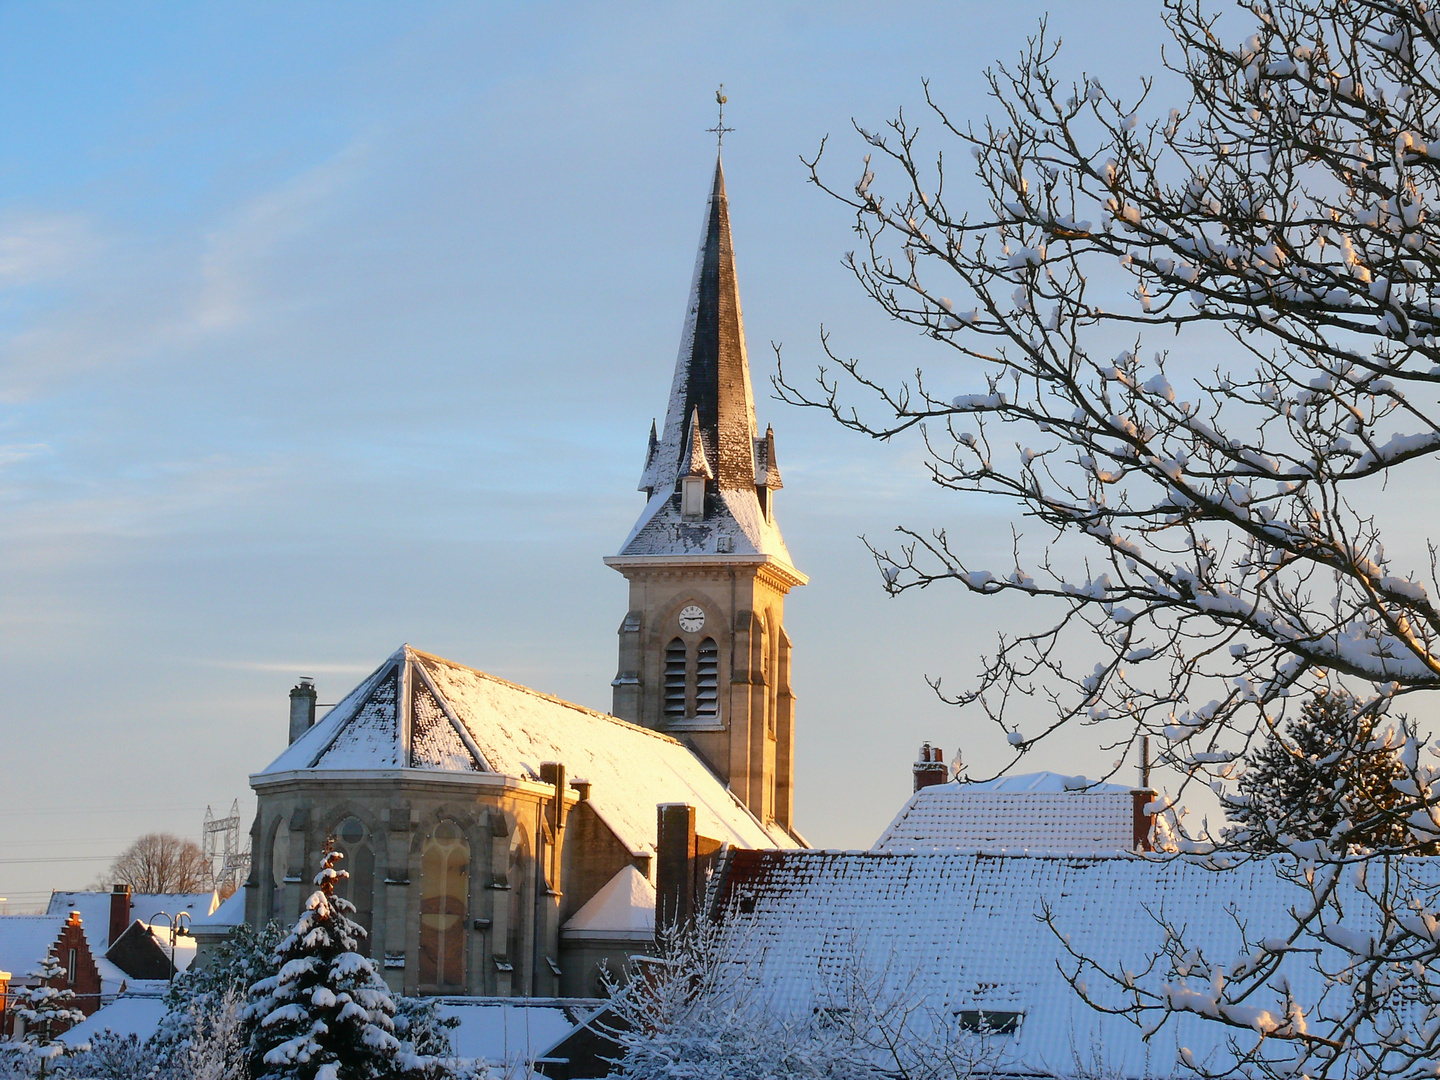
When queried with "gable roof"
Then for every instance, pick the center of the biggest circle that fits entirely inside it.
(25, 940)
(956, 932)
(975, 817)
(423, 712)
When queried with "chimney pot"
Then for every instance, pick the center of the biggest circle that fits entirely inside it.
(302, 707)
(930, 769)
(582, 788)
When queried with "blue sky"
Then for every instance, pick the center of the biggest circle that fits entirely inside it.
(329, 327)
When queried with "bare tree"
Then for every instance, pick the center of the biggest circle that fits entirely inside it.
(161, 863)
(1279, 222)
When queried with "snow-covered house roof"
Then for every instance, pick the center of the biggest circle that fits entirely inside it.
(623, 908)
(422, 712)
(1042, 783)
(959, 932)
(135, 1013)
(506, 1032)
(25, 940)
(94, 909)
(230, 912)
(1035, 813)
(710, 427)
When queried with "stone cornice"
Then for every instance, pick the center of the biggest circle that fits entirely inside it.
(772, 571)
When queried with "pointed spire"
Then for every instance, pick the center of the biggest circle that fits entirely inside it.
(695, 462)
(647, 475)
(767, 469)
(712, 372)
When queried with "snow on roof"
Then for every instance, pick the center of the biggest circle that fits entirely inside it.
(733, 517)
(959, 932)
(624, 907)
(506, 1031)
(229, 912)
(478, 723)
(1049, 782)
(129, 1014)
(26, 939)
(94, 909)
(970, 817)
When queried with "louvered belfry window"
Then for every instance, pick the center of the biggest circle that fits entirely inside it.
(707, 678)
(675, 679)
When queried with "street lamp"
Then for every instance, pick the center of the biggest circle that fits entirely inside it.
(178, 928)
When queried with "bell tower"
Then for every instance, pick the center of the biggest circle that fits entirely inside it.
(703, 651)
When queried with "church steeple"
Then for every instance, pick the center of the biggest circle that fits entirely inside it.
(703, 650)
(711, 383)
(712, 372)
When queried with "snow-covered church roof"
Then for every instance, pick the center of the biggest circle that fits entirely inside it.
(426, 713)
(1036, 812)
(711, 393)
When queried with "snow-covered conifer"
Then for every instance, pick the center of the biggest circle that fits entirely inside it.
(46, 1011)
(326, 1014)
(1325, 776)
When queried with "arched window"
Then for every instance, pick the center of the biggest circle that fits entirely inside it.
(707, 678)
(353, 841)
(444, 904)
(675, 679)
(279, 867)
(520, 908)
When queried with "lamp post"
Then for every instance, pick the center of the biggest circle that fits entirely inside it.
(178, 928)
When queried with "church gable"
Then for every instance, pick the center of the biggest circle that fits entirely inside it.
(370, 740)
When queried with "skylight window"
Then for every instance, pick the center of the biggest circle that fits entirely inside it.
(989, 1021)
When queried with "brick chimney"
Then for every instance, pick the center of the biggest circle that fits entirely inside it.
(1144, 821)
(930, 769)
(675, 851)
(302, 708)
(119, 912)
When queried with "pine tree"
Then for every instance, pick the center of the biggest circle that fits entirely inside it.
(46, 1013)
(1325, 776)
(326, 1014)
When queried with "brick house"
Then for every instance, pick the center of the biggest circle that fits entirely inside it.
(25, 941)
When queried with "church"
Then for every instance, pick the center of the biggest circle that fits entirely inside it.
(504, 842)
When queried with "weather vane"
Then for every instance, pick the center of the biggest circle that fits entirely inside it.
(720, 129)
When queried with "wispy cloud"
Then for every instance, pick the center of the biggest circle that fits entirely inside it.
(40, 248)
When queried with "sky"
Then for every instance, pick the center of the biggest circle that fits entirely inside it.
(325, 328)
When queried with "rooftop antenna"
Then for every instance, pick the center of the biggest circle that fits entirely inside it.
(720, 129)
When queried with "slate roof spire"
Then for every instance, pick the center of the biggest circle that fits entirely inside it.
(710, 427)
(712, 372)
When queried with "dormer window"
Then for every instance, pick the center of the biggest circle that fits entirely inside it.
(692, 498)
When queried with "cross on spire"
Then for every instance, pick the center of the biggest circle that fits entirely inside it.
(720, 129)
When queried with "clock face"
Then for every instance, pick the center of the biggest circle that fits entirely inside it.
(692, 619)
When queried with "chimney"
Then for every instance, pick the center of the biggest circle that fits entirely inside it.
(1144, 820)
(119, 912)
(553, 773)
(582, 788)
(930, 769)
(675, 865)
(302, 708)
